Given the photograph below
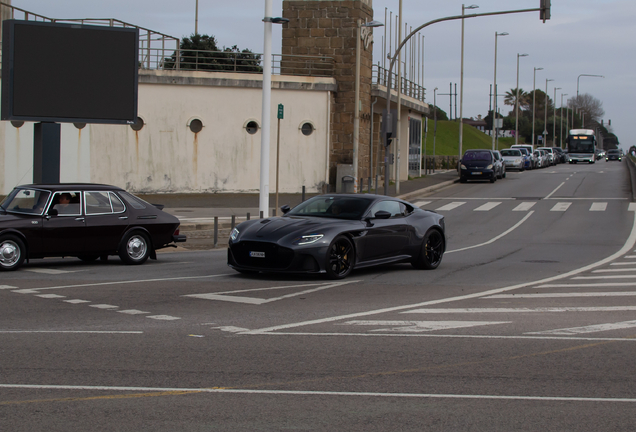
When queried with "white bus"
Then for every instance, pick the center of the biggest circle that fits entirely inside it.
(581, 146)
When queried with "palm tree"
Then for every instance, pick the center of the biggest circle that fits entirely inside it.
(524, 98)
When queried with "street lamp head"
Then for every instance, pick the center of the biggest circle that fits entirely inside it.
(523, 55)
(373, 24)
(471, 7)
(501, 34)
(538, 68)
(276, 20)
(546, 80)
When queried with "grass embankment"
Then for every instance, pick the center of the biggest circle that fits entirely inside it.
(447, 139)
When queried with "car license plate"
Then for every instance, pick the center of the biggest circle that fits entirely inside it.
(257, 254)
(476, 173)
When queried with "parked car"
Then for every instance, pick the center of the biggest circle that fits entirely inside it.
(529, 161)
(614, 154)
(334, 234)
(552, 157)
(541, 157)
(500, 164)
(513, 159)
(87, 221)
(479, 165)
(560, 154)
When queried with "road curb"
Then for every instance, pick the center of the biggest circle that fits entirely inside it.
(441, 185)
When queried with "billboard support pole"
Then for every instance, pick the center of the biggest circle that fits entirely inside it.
(46, 152)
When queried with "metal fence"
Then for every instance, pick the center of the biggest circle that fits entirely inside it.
(408, 88)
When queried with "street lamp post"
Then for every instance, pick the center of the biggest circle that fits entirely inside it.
(461, 86)
(534, 79)
(356, 115)
(577, 81)
(434, 123)
(517, 101)
(494, 86)
(263, 202)
(562, 94)
(545, 121)
(554, 118)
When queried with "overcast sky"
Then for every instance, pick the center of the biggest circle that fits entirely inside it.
(593, 37)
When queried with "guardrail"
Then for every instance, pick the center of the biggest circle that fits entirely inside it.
(407, 87)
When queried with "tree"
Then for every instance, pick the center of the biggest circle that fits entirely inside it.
(200, 52)
(591, 107)
(525, 99)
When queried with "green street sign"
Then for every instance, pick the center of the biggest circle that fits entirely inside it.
(280, 111)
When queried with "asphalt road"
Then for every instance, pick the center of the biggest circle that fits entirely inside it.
(528, 324)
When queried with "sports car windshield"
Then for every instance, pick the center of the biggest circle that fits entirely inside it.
(29, 201)
(332, 207)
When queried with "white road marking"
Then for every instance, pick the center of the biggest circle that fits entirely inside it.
(494, 239)
(598, 206)
(77, 301)
(590, 285)
(488, 206)
(523, 310)
(524, 206)
(50, 271)
(589, 329)
(26, 291)
(627, 276)
(450, 206)
(319, 393)
(626, 257)
(163, 317)
(3, 287)
(123, 282)
(132, 312)
(421, 203)
(222, 296)
(629, 244)
(50, 296)
(564, 295)
(419, 326)
(103, 306)
(71, 331)
(232, 329)
(614, 270)
(624, 263)
(556, 189)
(632, 206)
(561, 206)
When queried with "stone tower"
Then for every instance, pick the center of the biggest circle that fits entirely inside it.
(329, 28)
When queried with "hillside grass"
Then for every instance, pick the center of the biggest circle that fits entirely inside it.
(447, 139)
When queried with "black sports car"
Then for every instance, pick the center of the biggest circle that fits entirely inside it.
(333, 234)
(87, 221)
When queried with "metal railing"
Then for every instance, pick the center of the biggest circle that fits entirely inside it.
(408, 88)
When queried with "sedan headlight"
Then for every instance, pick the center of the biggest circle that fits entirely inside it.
(462, 166)
(489, 166)
(308, 239)
(234, 234)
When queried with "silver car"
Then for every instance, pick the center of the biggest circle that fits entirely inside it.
(513, 159)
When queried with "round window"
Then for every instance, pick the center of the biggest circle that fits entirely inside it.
(17, 124)
(138, 125)
(79, 125)
(251, 127)
(196, 125)
(307, 129)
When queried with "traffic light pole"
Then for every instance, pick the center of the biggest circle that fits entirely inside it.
(544, 11)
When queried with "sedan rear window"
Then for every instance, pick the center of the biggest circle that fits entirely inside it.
(511, 152)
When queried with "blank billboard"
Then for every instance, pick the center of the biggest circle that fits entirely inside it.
(69, 73)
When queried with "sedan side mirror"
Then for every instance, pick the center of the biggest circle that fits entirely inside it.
(52, 212)
(285, 209)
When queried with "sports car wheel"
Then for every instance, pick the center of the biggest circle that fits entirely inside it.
(12, 252)
(134, 248)
(432, 251)
(340, 258)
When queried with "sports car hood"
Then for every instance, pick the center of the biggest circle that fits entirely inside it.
(276, 228)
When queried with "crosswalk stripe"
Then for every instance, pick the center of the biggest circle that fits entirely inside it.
(522, 310)
(420, 326)
(561, 206)
(451, 206)
(563, 295)
(420, 204)
(598, 206)
(524, 206)
(488, 206)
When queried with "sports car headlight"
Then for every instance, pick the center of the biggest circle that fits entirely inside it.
(489, 166)
(308, 239)
(234, 234)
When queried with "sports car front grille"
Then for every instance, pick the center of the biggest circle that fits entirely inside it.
(276, 257)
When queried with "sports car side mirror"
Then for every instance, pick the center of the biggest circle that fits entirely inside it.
(382, 214)
(285, 209)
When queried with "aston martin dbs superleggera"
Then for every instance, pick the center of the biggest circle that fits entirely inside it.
(333, 234)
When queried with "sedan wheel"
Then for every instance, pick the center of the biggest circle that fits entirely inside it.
(134, 248)
(340, 258)
(432, 251)
(12, 253)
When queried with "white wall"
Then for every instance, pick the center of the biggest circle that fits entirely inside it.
(165, 156)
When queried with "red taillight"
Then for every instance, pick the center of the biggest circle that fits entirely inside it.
(176, 232)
